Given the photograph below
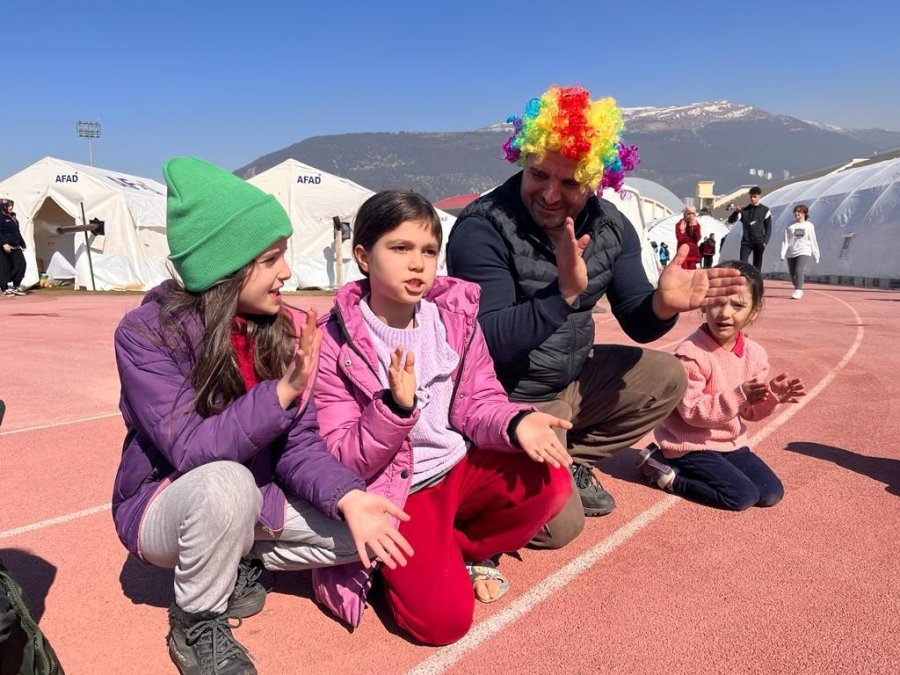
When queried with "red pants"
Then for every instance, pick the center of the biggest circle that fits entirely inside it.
(489, 503)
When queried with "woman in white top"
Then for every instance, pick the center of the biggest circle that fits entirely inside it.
(799, 247)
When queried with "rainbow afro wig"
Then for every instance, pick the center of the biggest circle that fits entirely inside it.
(566, 121)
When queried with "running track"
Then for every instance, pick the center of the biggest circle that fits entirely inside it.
(659, 586)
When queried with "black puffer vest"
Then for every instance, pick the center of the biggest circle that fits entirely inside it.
(560, 358)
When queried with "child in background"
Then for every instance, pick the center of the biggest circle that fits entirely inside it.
(703, 441)
(799, 247)
(222, 453)
(408, 398)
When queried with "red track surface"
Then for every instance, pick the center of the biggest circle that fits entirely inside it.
(659, 586)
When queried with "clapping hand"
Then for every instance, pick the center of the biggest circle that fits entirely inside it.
(572, 270)
(754, 391)
(303, 364)
(536, 437)
(402, 378)
(786, 390)
(681, 290)
(374, 535)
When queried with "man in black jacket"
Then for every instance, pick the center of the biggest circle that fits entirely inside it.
(544, 249)
(756, 226)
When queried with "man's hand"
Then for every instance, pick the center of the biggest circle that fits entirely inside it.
(536, 437)
(301, 367)
(367, 517)
(573, 277)
(402, 378)
(7, 248)
(681, 290)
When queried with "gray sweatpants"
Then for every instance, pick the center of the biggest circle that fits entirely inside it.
(797, 268)
(206, 520)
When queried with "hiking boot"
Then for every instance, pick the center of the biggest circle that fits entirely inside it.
(654, 468)
(248, 596)
(202, 644)
(595, 500)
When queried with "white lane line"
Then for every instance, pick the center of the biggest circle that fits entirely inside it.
(60, 424)
(446, 657)
(6, 534)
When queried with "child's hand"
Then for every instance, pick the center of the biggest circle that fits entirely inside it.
(301, 367)
(754, 391)
(367, 517)
(402, 378)
(785, 390)
(536, 437)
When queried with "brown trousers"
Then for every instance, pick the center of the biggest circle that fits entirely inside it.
(622, 393)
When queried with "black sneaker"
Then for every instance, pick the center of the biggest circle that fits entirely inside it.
(202, 644)
(595, 500)
(248, 596)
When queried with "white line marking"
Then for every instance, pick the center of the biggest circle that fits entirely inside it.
(445, 657)
(6, 534)
(59, 424)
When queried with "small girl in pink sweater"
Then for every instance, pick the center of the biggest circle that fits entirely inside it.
(703, 442)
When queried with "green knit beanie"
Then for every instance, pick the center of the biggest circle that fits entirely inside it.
(215, 222)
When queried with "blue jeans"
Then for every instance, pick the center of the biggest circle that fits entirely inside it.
(728, 480)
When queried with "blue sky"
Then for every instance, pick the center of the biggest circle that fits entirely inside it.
(230, 81)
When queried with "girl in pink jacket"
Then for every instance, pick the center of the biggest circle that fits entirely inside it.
(704, 440)
(408, 399)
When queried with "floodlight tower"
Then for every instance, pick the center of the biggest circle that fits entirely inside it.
(90, 131)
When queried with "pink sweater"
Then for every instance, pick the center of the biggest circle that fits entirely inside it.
(711, 415)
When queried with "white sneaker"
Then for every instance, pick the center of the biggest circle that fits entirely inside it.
(796, 295)
(18, 290)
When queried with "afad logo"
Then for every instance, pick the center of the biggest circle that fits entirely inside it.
(309, 180)
(67, 178)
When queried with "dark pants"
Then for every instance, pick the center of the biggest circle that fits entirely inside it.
(12, 268)
(728, 480)
(797, 268)
(622, 393)
(756, 249)
(707, 260)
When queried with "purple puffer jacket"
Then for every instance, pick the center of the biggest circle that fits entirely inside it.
(166, 437)
(363, 432)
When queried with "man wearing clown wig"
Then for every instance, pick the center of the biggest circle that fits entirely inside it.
(545, 247)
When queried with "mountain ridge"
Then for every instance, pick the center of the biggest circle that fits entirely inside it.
(679, 145)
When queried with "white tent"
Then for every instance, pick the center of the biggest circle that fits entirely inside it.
(856, 213)
(50, 193)
(312, 198)
(633, 206)
(663, 230)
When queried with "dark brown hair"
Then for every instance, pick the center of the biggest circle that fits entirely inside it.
(386, 210)
(802, 208)
(215, 374)
(754, 280)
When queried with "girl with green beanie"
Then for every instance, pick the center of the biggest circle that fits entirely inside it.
(223, 470)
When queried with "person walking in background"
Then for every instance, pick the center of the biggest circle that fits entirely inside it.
(664, 254)
(408, 398)
(12, 245)
(756, 226)
(799, 247)
(701, 448)
(708, 251)
(687, 231)
(222, 454)
(545, 247)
